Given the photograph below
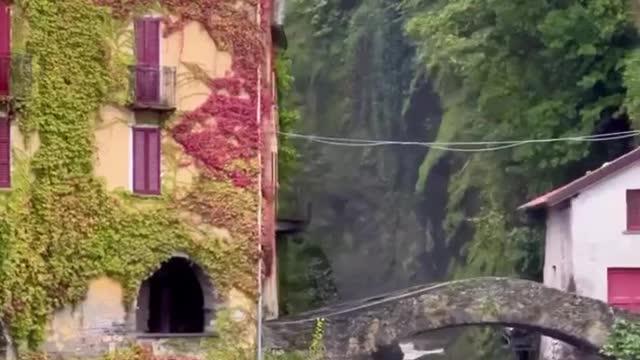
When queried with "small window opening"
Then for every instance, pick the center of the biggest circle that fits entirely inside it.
(633, 210)
(174, 302)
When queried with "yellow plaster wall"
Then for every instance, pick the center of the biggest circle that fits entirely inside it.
(90, 323)
(113, 146)
(184, 49)
(20, 144)
(243, 310)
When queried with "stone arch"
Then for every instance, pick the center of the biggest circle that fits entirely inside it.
(358, 328)
(179, 291)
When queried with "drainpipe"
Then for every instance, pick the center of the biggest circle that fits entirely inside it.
(260, 264)
(259, 330)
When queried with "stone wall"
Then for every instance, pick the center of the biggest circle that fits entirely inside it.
(98, 324)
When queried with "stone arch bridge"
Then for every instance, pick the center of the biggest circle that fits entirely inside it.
(357, 329)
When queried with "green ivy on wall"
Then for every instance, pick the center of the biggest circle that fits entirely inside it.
(59, 227)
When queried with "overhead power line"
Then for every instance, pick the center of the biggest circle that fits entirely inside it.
(459, 146)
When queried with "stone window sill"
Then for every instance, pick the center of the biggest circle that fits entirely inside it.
(175, 335)
(631, 232)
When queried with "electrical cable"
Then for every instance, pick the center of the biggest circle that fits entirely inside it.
(288, 134)
(454, 146)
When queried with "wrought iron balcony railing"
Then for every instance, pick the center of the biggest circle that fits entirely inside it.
(152, 87)
(15, 76)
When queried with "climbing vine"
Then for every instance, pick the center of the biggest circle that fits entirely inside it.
(624, 342)
(59, 225)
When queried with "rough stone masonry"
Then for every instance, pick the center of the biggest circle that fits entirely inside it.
(357, 329)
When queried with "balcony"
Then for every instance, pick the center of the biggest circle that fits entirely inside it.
(152, 88)
(15, 77)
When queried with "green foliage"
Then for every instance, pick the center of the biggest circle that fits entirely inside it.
(521, 70)
(500, 249)
(503, 52)
(316, 349)
(288, 116)
(632, 83)
(304, 277)
(624, 342)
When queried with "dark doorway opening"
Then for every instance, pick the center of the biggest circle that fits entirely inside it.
(176, 301)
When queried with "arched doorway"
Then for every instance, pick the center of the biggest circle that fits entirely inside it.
(172, 300)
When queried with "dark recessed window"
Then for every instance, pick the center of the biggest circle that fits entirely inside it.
(633, 210)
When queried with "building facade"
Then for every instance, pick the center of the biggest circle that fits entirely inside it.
(138, 174)
(592, 239)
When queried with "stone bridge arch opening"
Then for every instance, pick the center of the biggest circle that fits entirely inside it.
(358, 329)
(446, 343)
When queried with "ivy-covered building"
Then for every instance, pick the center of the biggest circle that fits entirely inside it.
(138, 166)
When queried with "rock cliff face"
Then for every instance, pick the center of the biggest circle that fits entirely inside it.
(357, 76)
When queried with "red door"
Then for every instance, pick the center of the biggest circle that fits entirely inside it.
(148, 60)
(5, 47)
(624, 288)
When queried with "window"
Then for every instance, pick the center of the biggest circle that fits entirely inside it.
(147, 75)
(5, 47)
(5, 152)
(633, 210)
(624, 288)
(146, 161)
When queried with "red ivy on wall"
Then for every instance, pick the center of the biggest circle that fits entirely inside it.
(223, 130)
(224, 134)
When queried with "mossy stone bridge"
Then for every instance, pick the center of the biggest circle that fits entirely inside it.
(357, 329)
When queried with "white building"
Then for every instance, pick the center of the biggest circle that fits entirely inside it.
(592, 244)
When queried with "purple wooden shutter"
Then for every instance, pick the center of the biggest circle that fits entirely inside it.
(153, 161)
(146, 161)
(139, 29)
(139, 166)
(152, 42)
(148, 59)
(152, 54)
(5, 47)
(5, 152)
